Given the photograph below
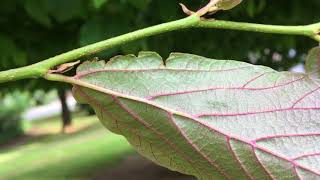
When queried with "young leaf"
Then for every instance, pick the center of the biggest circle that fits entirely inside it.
(214, 119)
(228, 4)
(313, 62)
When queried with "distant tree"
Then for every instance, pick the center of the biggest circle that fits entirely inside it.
(65, 114)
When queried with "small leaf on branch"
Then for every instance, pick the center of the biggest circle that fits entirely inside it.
(228, 4)
(313, 62)
(224, 5)
(214, 119)
(98, 3)
(216, 5)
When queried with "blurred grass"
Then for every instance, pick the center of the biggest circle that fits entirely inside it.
(48, 155)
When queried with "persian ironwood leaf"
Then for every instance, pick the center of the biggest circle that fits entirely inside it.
(228, 4)
(214, 119)
(313, 62)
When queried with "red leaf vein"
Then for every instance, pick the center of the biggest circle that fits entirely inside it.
(237, 158)
(306, 155)
(92, 72)
(152, 97)
(261, 164)
(255, 112)
(305, 96)
(253, 79)
(195, 147)
(142, 122)
(285, 136)
(161, 136)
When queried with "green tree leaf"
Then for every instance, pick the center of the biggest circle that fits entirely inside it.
(11, 55)
(251, 8)
(214, 119)
(313, 63)
(99, 3)
(64, 11)
(39, 11)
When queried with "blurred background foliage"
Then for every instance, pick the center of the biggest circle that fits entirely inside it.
(12, 106)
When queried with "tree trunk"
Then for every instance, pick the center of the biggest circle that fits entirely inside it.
(65, 114)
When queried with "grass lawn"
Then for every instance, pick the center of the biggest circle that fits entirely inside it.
(50, 155)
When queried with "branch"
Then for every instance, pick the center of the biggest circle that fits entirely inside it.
(194, 21)
(305, 30)
(40, 69)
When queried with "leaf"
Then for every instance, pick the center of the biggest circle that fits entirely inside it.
(64, 11)
(216, 5)
(228, 4)
(214, 119)
(251, 8)
(99, 3)
(313, 62)
(38, 10)
(11, 55)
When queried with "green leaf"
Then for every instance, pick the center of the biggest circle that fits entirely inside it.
(11, 55)
(38, 10)
(313, 63)
(64, 11)
(251, 8)
(228, 4)
(214, 119)
(99, 3)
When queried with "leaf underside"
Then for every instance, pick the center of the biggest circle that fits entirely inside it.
(214, 119)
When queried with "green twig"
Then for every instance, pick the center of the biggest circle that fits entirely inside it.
(32, 71)
(307, 30)
(40, 69)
